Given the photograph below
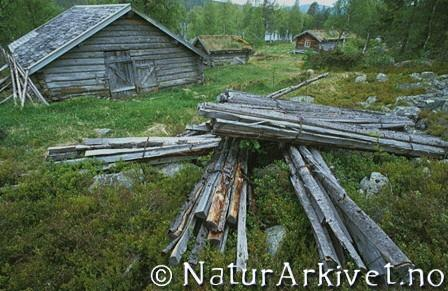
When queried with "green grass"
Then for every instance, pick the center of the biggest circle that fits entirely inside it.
(58, 235)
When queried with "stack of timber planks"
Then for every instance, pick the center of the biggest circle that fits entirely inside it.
(155, 150)
(217, 203)
(249, 116)
(339, 226)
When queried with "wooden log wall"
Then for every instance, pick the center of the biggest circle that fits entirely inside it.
(82, 71)
(219, 59)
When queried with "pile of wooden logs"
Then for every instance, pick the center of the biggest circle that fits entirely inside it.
(216, 204)
(22, 86)
(340, 227)
(155, 150)
(248, 116)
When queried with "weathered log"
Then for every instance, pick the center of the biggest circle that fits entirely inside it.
(220, 198)
(222, 244)
(199, 245)
(242, 254)
(181, 246)
(313, 135)
(290, 89)
(354, 215)
(331, 218)
(319, 111)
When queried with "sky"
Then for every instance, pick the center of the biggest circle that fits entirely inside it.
(291, 2)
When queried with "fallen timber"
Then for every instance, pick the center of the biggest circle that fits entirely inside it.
(368, 245)
(242, 121)
(216, 204)
(370, 119)
(293, 88)
(151, 149)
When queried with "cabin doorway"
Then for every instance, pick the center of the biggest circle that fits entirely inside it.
(120, 73)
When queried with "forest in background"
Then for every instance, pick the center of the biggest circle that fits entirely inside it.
(410, 28)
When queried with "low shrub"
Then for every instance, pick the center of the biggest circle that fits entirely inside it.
(335, 59)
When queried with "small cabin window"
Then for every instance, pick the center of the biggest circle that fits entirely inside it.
(307, 43)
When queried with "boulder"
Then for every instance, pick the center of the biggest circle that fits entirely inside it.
(410, 86)
(373, 184)
(310, 72)
(102, 131)
(369, 101)
(428, 76)
(416, 76)
(422, 124)
(123, 179)
(303, 99)
(382, 77)
(407, 111)
(274, 238)
(361, 78)
(172, 169)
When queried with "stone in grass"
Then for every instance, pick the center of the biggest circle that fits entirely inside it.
(428, 76)
(303, 99)
(373, 184)
(361, 78)
(274, 238)
(123, 179)
(102, 131)
(369, 101)
(171, 169)
(382, 77)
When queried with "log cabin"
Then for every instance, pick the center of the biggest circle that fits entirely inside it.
(318, 40)
(223, 49)
(105, 50)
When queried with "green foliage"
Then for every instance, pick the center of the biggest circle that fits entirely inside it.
(335, 59)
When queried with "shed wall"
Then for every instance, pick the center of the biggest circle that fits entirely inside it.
(82, 70)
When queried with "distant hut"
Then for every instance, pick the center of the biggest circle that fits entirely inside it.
(224, 49)
(318, 40)
(105, 50)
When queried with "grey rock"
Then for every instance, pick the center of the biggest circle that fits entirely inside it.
(361, 78)
(303, 99)
(416, 76)
(102, 131)
(369, 101)
(443, 77)
(274, 238)
(428, 75)
(310, 72)
(407, 111)
(422, 124)
(445, 161)
(172, 169)
(430, 101)
(382, 77)
(123, 179)
(410, 86)
(373, 184)
(444, 107)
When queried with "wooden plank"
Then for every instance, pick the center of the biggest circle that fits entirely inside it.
(242, 254)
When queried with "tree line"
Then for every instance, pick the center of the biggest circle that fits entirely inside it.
(410, 28)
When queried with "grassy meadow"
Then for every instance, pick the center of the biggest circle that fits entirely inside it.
(58, 235)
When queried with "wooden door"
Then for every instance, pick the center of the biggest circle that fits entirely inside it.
(120, 73)
(145, 75)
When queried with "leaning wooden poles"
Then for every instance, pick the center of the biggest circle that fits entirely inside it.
(293, 88)
(22, 85)
(340, 227)
(216, 204)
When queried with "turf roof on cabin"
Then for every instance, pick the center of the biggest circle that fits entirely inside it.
(219, 43)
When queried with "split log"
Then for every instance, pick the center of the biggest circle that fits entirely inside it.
(220, 198)
(331, 217)
(315, 110)
(265, 129)
(222, 245)
(290, 89)
(242, 254)
(181, 246)
(327, 252)
(364, 228)
(199, 245)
